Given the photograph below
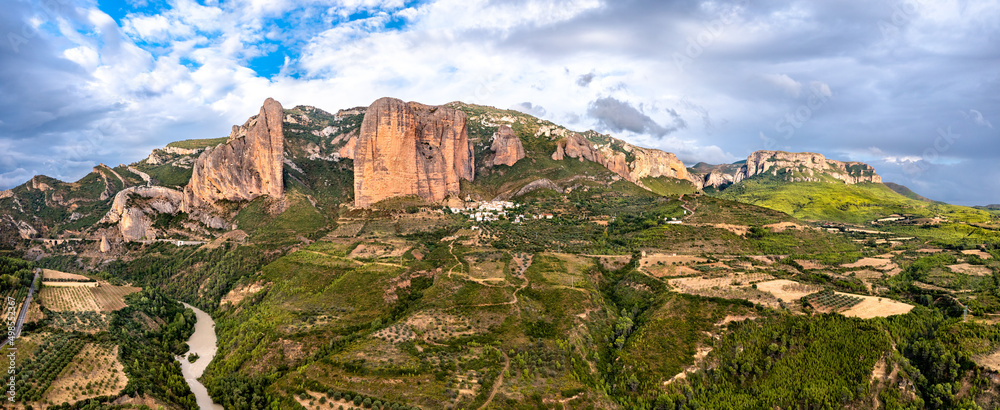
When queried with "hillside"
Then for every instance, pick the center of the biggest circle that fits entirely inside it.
(904, 191)
(410, 256)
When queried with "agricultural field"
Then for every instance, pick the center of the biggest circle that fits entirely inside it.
(46, 363)
(745, 286)
(68, 299)
(104, 298)
(94, 372)
(54, 275)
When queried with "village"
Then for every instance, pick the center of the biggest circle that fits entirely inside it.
(491, 211)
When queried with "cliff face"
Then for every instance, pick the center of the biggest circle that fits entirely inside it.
(805, 167)
(506, 147)
(410, 149)
(645, 162)
(133, 210)
(248, 165)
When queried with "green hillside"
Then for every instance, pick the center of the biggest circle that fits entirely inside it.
(859, 204)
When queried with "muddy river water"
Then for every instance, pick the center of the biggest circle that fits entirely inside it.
(203, 343)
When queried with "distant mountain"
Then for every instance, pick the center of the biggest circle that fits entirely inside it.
(904, 191)
(786, 166)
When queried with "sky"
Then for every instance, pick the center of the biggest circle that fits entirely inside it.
(911, 87)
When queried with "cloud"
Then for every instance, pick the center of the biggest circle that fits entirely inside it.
(530, 109)
(977, 118)
(784, 83)
(83, 87)
(619, 116)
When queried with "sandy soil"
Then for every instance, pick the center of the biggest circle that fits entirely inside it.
(699, 356)
(671, 271)
(877, 263)
(873, 306)
(787, 290)
(730, 287)
(95, 365)
(731, 318)
(379, 250)
(990, 361)
(48, 274)
(784, 226)
(239, 293)
(930, 250)
(974, 270)
(867, 274)
(737, 229)
(979, 253)
(810, 264)
(237, 235)
(69, 284)
(766, 259)
(664, 265)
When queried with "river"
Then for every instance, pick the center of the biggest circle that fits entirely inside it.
(204, 343)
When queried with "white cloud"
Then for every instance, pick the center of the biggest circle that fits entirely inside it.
(784, 83)
(85, 56)
(977, 118)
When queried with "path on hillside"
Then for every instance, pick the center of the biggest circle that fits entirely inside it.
(355, 261)
(687, 207)
(512, 302)
(496, 385)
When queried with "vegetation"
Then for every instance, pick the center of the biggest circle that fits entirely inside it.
(825, 201)
(197, 143)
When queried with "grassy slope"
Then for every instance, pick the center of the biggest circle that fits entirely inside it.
(838, 202)
(666, 186)
(198, 143)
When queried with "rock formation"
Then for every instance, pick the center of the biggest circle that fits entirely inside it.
(507, 147)
(347, 151)
(808, 166)
(248, 165)
(715, 179)
(105, 246)
(133, 209)
(410, 149)
(645, 162)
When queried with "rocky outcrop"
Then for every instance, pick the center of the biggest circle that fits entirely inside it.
(133, 209)
(716, 180)
(410, 149)
(248, 165)
(507, 148)
(615, 156)
(105, 246)
(347, 151)
(654, 163)
(575, 146)
(804, 167)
